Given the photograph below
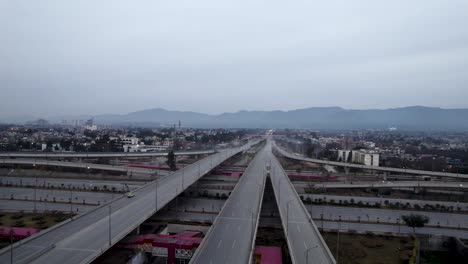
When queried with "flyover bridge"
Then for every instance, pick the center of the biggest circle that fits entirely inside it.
(88, 166)
(99, 154)
(386, 184)
(85, 237)
(305, 242)
(365, 167)
(231, 238)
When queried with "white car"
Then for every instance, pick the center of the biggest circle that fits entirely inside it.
(130, 194)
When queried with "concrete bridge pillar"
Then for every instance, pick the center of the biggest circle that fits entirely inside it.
(347, 170)
(385, 175)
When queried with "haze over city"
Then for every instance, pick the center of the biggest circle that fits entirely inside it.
(236, 132)
(209, 56)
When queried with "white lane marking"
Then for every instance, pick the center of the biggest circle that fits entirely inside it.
(77, 249)
(305, 245)
(234, 244)
(238, 228)
(298, 228)
(219, 243)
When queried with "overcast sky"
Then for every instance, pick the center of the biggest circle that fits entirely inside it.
(212, 56)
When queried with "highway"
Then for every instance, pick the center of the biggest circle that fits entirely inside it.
(381, 200)
(359, 166)
(28, 206)
(79, 184)
(385, 184)
(59, 195)
(389, 216)
(84, 238)
(305, 243)
(128, 170)
(395, 229)
(231, 239)
(49, 155)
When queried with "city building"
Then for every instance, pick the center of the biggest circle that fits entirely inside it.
(366, 157)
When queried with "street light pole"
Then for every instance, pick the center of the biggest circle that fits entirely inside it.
(71, 202)
(338, 243)
(287, 216)
(110, 236)
(183, 174)
(156, 195)
(307, 253)
(35, 191)
(11, 245)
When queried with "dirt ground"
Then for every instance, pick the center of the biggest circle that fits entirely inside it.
(369, 249)
(29, 220)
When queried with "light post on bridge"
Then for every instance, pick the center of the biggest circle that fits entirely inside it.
(110, 225)
(156, 194)
(183, 176)
(35, 190)
(71, 201)
(287, 215)
(307, 253)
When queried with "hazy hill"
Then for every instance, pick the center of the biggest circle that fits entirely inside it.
(407, 118)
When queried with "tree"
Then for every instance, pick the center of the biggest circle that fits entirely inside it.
(414, 220)
(171, 160)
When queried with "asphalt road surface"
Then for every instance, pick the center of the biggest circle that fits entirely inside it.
(231, 239)
(86, 237)
(304, 240)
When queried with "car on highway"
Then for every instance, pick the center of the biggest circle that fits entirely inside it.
(130, 194)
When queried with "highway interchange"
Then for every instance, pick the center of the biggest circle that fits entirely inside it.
(232, 235)
(84, 238)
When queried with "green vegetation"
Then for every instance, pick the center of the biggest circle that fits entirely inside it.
(414, 220)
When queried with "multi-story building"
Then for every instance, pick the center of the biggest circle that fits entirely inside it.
(366, 157)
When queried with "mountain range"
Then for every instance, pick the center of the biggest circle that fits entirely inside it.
(406, 118)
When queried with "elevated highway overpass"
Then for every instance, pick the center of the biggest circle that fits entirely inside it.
(385, 184)
(231, 239)
(305, 243)
(86, 166)
(85, 237)
(60, 155)
(365, 167)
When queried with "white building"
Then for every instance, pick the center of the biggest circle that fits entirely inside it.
(366, 157)
(130, 141)
(343, 155)
(92, 127)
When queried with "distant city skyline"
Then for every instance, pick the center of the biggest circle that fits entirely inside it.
(91, 58)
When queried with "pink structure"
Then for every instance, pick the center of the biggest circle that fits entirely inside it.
(268, 255)
(18, 232)
(184, 240)
(187, 241)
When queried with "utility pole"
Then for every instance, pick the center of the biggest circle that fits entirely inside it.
(156, 195)
(338, 243)
(183, 174)
(287, 216)
(35, 190)
(71, 202)
(11, 245)
(110, 236)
